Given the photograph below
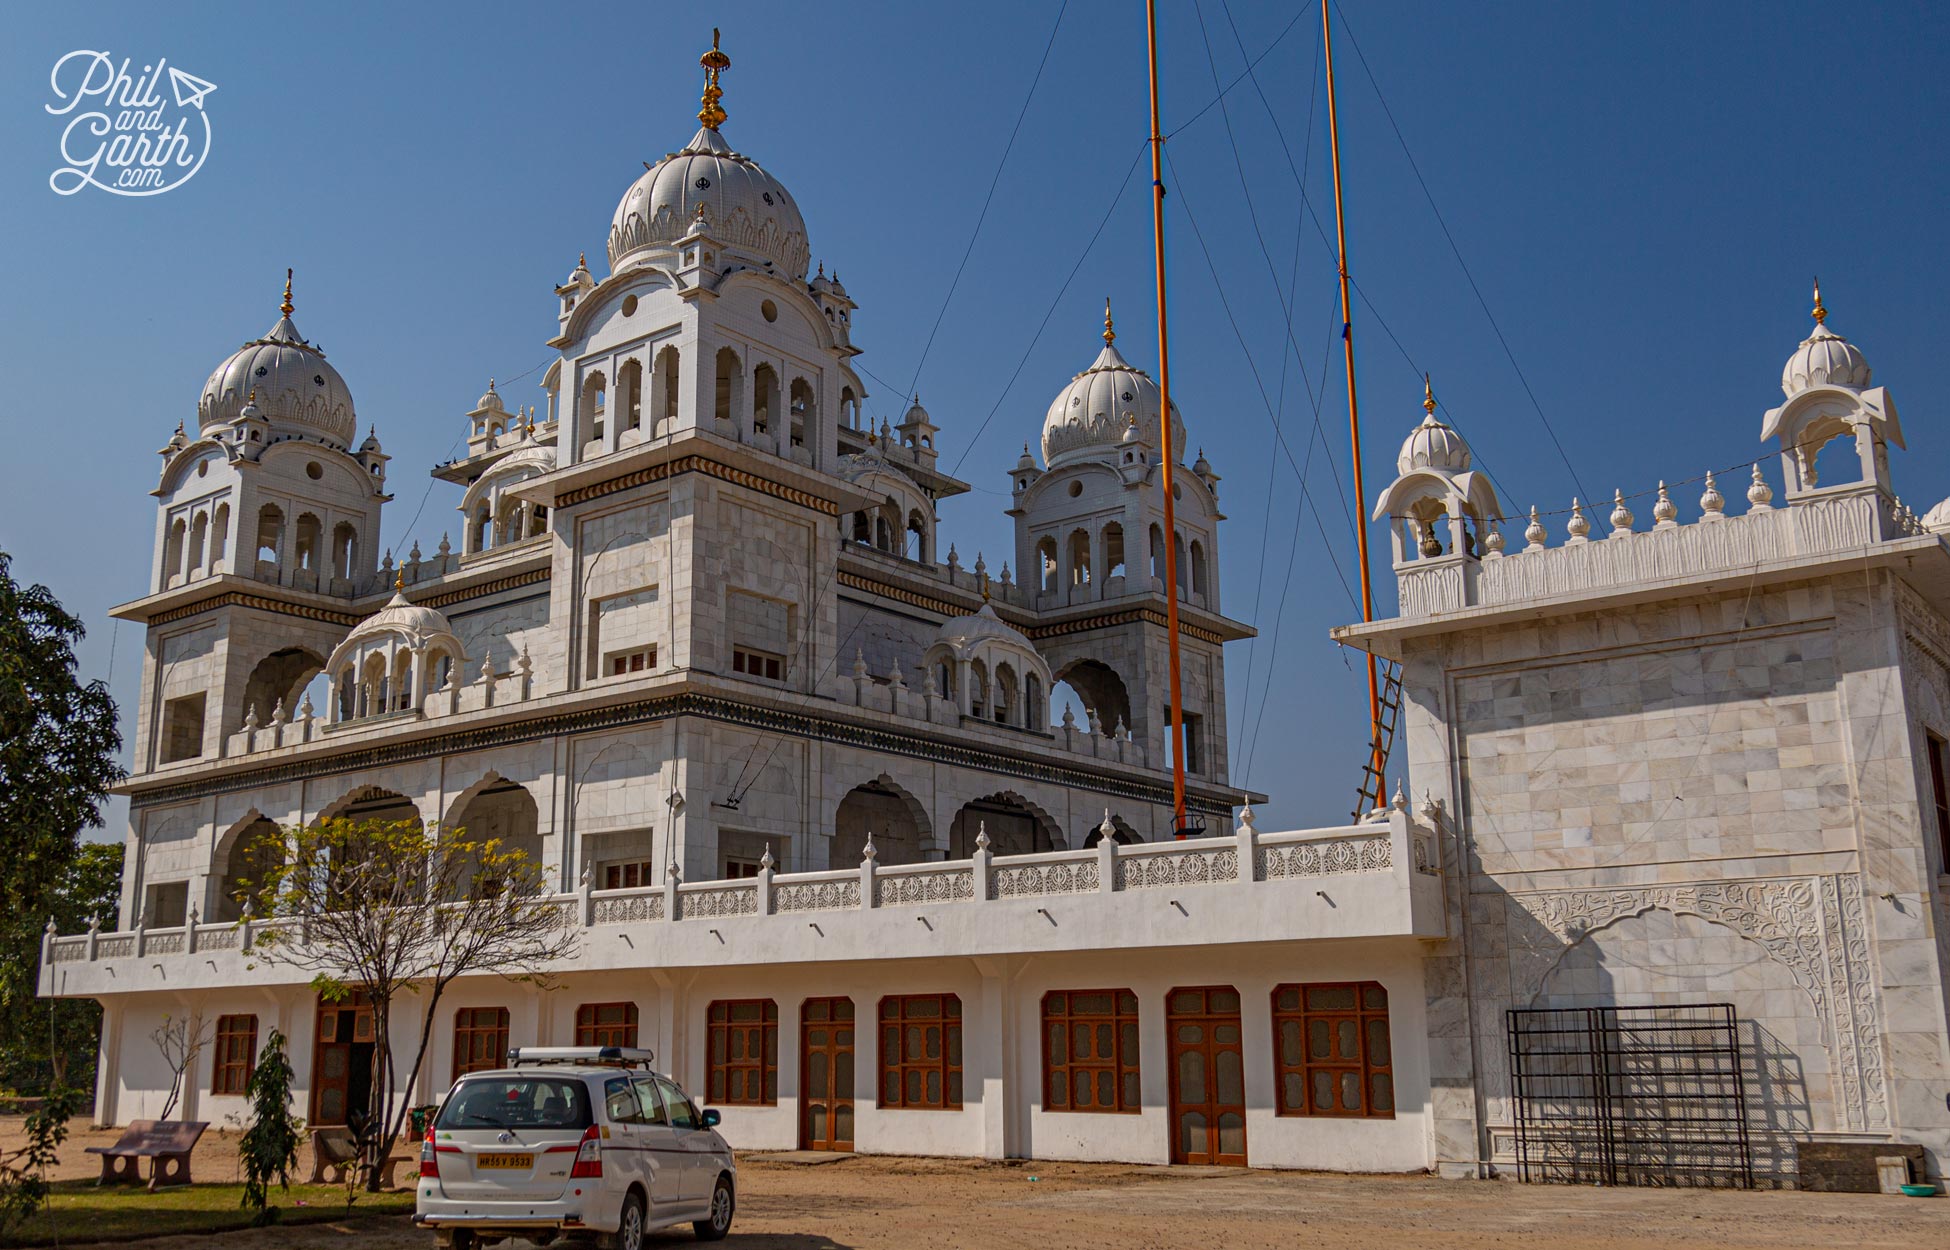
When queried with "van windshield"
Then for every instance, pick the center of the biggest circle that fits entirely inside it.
(516, 1102)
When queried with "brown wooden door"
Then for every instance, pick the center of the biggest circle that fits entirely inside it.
(826, 1074)
(1208, 1076)
(342, 1060)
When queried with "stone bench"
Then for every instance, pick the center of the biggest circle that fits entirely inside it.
(167, 1143)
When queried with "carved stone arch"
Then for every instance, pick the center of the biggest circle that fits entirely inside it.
(496, 809)
(1016, 826)
(1124, 834)
(243, 853)
(1102, 689)
(371, 802)
(277, 678)
(898, 820)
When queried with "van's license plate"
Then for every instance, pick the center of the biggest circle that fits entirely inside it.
(504, 1160)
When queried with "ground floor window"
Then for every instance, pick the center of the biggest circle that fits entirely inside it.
(1332, 1051)
(480, 1039)
(1090, 1051)
(744, 1054)
(920, 1052)
(236, 1048)
(606, 1024)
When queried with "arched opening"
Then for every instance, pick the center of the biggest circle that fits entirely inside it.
(883, 537)
(1198, 569)
(1008, 697)
(802, 410)
(367, 805)
(594, 400)
(1114, 550)
(1122, 833)
(1178, 554)
(252, 854)
(270, 534)
(978, 689)
(629, 396)
(172, 561)
(1157, 558)
(944, 678)
(666, 375)
(1046, 560)
(1080, 558)
(495, 811)
(1015, 827)
(862, 529)
(480, 529)
(917, 536)
(374, 696)
(305, 553)
(276, 681)
(765, 400)
(1090, 689)
(730, 392)
(401, 687)
(850, 408)
(896, 819)
(220, 539)
(345, 550)
(1035, 703)
(199, 540)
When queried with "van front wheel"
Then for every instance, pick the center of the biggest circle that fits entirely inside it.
(722, 1206)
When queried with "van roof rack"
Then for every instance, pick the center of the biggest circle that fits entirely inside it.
(601, 1056)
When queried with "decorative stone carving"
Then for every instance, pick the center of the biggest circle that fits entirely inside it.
(1032, 880)
(629, 909)
(1196, 867)
(702, 902)
(955, 883)
(816, 896)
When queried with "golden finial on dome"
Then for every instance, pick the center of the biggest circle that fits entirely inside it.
(1820, 313)
(285, 307)
(399, 580)
(714, 63)
(582, 260)
(1110, 332)
(1428, 396)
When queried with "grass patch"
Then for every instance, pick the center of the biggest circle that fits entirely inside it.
(78, 1211)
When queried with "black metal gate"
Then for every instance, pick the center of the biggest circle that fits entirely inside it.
(1630, 1096)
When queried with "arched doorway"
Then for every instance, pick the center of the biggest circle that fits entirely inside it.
(1015, 827)
(497, 810)
(253, 850)
(1087, 688)
(276, 681)
(896, 818)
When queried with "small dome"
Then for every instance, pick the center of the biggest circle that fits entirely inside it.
(1025, 460)
(1100, 405)
(1433, 445)
(916, 415)
(400, 616)
(960, 631)
(298, 391)
(1937, 519)
(1825, 358)
(372, 441)
(748, 210)
(490, 401)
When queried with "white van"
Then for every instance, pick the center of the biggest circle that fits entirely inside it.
(579, 1142)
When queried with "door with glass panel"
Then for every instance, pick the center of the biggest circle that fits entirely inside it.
(826, 1074)
(1208, 1076)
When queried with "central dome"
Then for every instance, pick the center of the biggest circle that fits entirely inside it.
(296, 389)
(1090, 416)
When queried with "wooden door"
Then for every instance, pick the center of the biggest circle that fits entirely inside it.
(826, 1074)
(341, 1060)
(1208, 1076)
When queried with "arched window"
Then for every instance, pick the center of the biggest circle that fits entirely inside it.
(1005, 694)
(1114, 550)
(667, 371)
(220, 538)
(1198, 568)
(345, 550)
(802, 410)
(1178, 553)
(1158, 557)
(199, 539)
(172, 561)
(1080, 558)
(629, 394)
(862, 528)
(978, 688)
(1046, 557)
(537, 521)
(346, 705)
(1033, 702)
(309, 533)
(765, 399)
(882, 537)
(731, 386)
(594, 399)
(944, 678)
(480, 532)
(402, 684)
(270, 534)
(849, 408)
(917, 536)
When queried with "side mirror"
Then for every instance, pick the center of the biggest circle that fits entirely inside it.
(711, 1117)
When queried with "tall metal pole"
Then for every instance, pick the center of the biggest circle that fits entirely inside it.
(1353, 408)
(1164, 424)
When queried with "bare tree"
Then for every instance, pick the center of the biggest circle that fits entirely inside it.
(381, 908)
(179, 1042)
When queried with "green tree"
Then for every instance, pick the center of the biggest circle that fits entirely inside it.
(23, 1170)
(269, 1147)
(386, 908)
(60, 1047)
(58, 747)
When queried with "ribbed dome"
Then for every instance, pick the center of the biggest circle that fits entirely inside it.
(298, 392)
(1433, 445)
(402, 617)
(747, 208)
(1093, 411)
(1825, 358)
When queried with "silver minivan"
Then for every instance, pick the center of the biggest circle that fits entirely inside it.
(578, 1142)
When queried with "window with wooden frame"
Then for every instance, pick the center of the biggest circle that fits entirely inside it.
(480, 1039)
(744, 1053)
(757, 663)
(1090, 1051)
(606, 1024)
(236, 1054)
(1331, 1050)
(1940, 792)
(920, 1052)
(627, 876)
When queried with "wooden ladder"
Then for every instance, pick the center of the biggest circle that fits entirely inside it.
(1374, 768)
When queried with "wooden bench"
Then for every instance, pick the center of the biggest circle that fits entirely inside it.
(337, 1149)
(167, 1143)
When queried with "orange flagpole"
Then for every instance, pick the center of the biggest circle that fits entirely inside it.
(1353, 408)
(1164, 424)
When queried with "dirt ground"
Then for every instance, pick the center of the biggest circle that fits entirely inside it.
(911, 1204)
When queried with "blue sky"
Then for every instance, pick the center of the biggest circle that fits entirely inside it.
(1641, 194)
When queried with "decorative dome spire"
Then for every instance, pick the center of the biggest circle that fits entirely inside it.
(1824, 358)
(712, 115)
(285, 307)
(1110, 331)
(299, 392)
(1432, 444)
(1092, 414)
